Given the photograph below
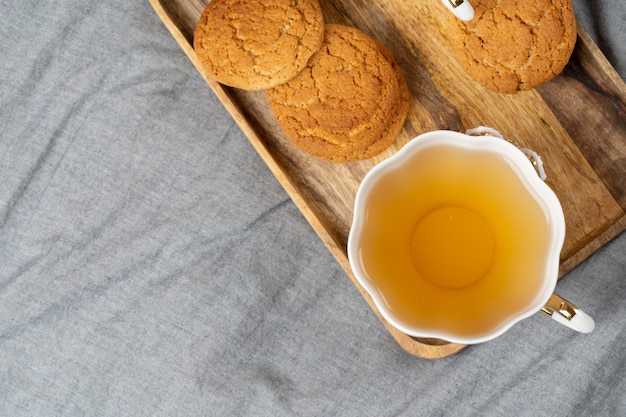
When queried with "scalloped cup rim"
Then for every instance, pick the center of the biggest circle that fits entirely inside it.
(527, 174)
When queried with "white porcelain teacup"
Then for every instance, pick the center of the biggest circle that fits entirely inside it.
(456, 237)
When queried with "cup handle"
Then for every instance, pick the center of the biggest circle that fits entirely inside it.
(568, 314)
(460, 8)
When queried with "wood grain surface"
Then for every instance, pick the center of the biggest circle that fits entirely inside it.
(576, 122)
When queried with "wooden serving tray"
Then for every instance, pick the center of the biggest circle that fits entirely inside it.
(576, 122)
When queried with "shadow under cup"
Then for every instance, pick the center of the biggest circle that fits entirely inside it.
(456, 237)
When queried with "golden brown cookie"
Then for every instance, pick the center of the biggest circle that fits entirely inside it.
(514, 45)
(257, 44)
(394, 126)
(343, 100)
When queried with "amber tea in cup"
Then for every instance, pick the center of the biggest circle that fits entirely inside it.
(454, 240)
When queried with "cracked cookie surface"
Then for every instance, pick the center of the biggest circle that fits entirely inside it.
(394, 125)
(514, 45)
(257, 44)
(345, 100)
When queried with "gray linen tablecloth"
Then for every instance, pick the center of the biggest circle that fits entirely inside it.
(151, 265)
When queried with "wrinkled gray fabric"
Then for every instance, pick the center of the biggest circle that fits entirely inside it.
(151, 265)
